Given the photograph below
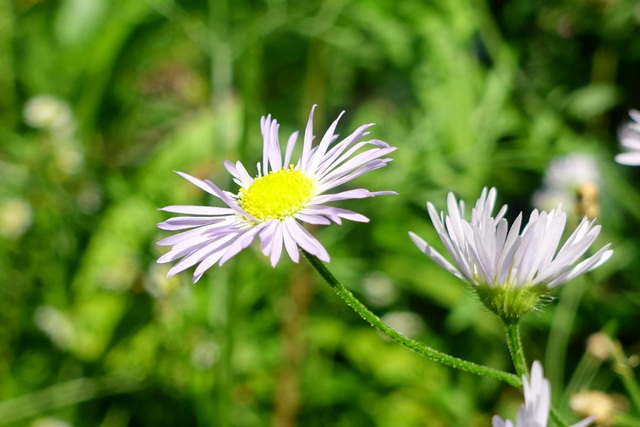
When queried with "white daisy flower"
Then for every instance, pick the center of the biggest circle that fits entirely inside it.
(273, 205)
(537, 403)
(502, 261)
(573, 181)
(47, 112)
(629, 136)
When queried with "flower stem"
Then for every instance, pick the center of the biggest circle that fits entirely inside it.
(624, 371)
(385, 329)
(514, 342)
(557, 418)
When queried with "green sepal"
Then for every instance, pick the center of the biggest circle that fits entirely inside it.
(511, 303)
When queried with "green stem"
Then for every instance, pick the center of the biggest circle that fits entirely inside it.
(626, 420)
(560, 333)
(67, 394)
(514, 342)
(557, 418)
(423, 349)
(624, 371)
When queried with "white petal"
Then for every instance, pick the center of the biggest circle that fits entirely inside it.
(585, 422)
(435, 256)
(630, 159)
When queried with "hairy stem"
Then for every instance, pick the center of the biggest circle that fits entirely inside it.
(385, 329)
(514, 342)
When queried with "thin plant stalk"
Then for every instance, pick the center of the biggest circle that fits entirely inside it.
(624, 371)
(514, 343)
(385, 329)
(626, 420)
(557, 344)
(516, 349)
(67, 394)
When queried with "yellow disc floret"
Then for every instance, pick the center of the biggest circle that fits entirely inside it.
(278, 195)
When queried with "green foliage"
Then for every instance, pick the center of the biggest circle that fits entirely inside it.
(472, 93)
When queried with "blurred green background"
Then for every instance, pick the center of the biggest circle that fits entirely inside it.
(101, 100)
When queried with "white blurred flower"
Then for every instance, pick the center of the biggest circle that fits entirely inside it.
(599, 345)
(158, 284)
(89, 198)
(120, 274)
(56, 325)
(510, 268)
(378, 289)
(601, 406)
(50, 422)
(537, 403)
(405, 322)
(205, 354)
(47, 112)
(574, 182)
(629, 136)
(68, 157)
(15, 217)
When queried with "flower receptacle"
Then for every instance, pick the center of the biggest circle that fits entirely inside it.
(510, 303)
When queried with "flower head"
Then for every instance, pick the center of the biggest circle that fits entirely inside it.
(273, 205)
(47, 112)
(511, 268)
(629, 136)
(572, 181)
(537, 402)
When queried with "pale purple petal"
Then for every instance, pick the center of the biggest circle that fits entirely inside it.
(266, 236)
(199, 254)
(308, 139)
(276, 245)
(326, 185)
(356, 162)
(240, 243)
(291, 143)
(327, 139)
(358, 193)
(233, 205)
(195, 181)
(496, 421)
(306, 241)
(289, 243)
(184, 222)
(315, 219)
(337, 155)
(197, 210)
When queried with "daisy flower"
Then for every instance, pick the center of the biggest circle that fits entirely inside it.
(273, 205)
(537, 403)
(510, 268)
(573, 181)
(629, 136)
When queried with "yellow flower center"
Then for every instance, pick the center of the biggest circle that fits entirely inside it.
(278, 195)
